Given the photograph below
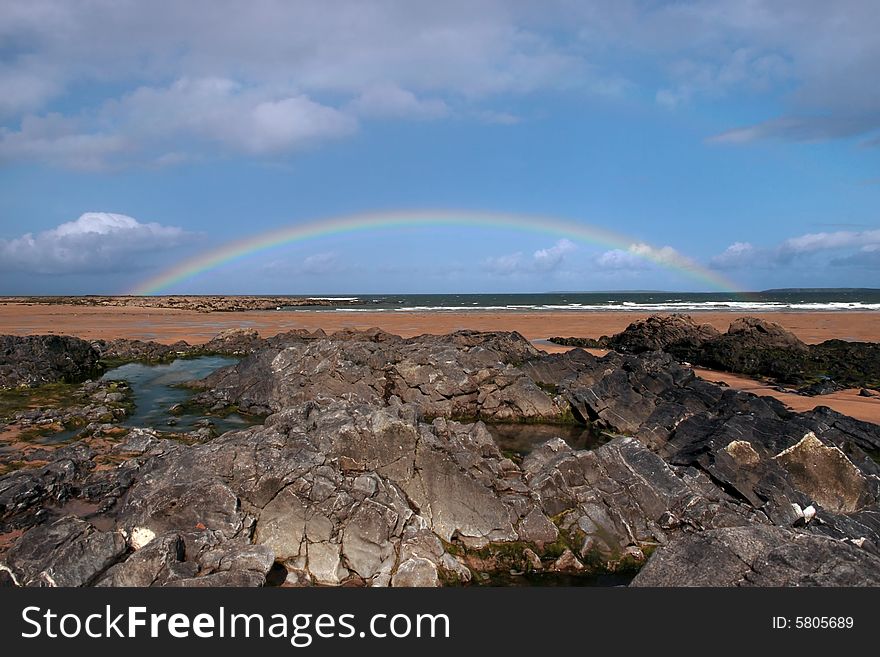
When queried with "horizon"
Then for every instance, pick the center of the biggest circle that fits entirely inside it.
(355, 295)
(732, 142)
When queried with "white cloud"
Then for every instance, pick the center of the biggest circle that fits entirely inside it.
(812, 242)
(510, 263)
(640, 256)
(743, 68)
(96, 242)
(322, 263)
(293, 73)
(542, 260)
(738, 254)
(258, 80)
(151, 122)
(802, 249)
(810, 129)
(222, 111)
(60, 141)
(24, 88)
(551, 258)
(316, 264)
(867, 257)
(388, 101)
(671, 98)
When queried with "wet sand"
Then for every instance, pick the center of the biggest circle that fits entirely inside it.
(170, 325)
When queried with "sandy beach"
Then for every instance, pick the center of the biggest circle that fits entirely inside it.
(170, 325)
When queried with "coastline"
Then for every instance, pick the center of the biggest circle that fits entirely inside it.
(170, 325)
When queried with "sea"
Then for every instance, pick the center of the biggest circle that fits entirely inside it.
(787, 300)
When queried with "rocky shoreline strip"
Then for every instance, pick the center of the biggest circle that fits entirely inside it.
(198, 303)
(376, 465)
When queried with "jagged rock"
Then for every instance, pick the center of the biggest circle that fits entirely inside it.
(158, 562)
(676, 334)
(621, 494)
(759, 555)
(34, 360)
(750, 346)
(416, 572)
(125, 349)
(362, 476)
(826, 475)
(463, 374)
(24, 492)
(567, 563)
(234, 341)
(66, 552)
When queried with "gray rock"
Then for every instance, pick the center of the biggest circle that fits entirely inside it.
(66, 552)
(759, 556)
(34, 360)
(416, 572)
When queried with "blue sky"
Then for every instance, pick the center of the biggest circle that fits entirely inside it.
(742, 135)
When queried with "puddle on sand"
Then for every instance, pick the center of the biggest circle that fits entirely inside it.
(156, 388)
(523, 438)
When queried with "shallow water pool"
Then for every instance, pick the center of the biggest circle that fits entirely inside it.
(156, 388)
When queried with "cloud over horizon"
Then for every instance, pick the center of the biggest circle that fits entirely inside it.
(640, 256)
(864, 248)
(542, 260)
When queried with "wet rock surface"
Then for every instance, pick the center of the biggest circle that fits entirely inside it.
(377, 466)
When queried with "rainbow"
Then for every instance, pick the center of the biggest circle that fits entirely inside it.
(574, 231)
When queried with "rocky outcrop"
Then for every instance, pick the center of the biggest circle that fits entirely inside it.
(35, 360)
(619, 501)
(756, 347)
(758, 555)
(751, 346)
(373, 467)
(66, 552)
(463, 374)
(752, 447)
(676, 334)
(235, 342)
(127, 350)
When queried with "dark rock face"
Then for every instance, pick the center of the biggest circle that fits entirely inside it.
(750, 346)
(125, 350)
(676, 334)
(39, 359)
(754, 346)
(67, 552)
(367, 473)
